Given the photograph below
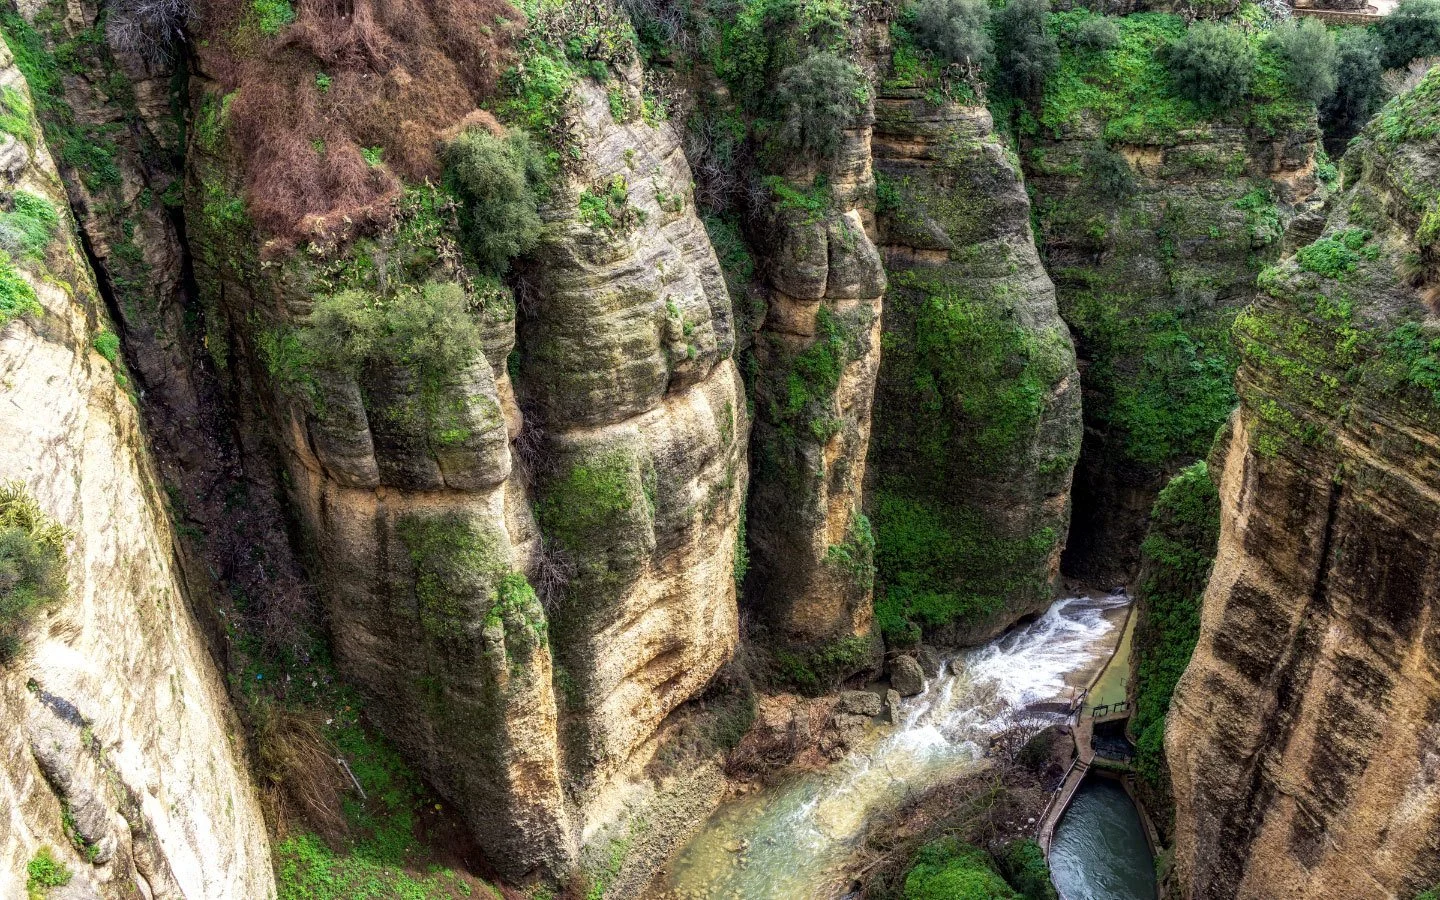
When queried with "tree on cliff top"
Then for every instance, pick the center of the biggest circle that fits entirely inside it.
(1412, 30)
(1310, 56)
(818, 98)
(1027, 53)
(1212, 63)
(1360, 92)
(953, 31)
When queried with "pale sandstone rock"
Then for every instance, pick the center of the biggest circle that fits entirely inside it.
(127, 720)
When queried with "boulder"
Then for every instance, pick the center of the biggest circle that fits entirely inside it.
(906, 676)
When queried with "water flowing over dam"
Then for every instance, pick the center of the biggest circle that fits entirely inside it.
(792, 840)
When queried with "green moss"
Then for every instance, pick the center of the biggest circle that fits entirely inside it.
(856, 556)
(458, 566)
(1175, 567)
(607, 207)
(950, 870)
(940, 563)
(589, 499)
(44, 872)
(27, 229)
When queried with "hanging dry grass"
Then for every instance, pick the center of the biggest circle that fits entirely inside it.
(334, 112)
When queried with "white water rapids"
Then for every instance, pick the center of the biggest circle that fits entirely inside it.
(792, 840)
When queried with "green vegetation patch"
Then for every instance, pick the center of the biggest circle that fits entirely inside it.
(271, 16)
(32, 565)
(17, 297)
(590, 498)
(1023, 865)
(16, 114)
(44, 872)
(950, 870)
(1132, 91)
(1176, 557)
(29, 226)
(820, 669)
(939, 563)
(1335, 255)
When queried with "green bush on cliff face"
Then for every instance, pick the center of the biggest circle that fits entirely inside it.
(818, 99)
(1410, 31)
(1310, 58)
(499, 181)
(1095, 35)
(27, 229)
(953, 31)
(950, 870)
(32, 564)
(1359, 89)
(1212, 63)
(17, 297)
(1025, 50)
(1175, 567)
(43, 872)
(1108, 174)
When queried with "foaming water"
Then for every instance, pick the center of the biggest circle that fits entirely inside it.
(793, 839)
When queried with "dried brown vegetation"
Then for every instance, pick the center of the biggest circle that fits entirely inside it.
(345, 77)
(300, 781)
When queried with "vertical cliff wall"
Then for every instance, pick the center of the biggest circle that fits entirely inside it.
(1154, 216)
(978, 402)
(121, 754)
(1302, 738)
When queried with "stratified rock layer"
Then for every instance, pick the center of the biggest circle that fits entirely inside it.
(978, 402)
(117, 726)
(1303, 737)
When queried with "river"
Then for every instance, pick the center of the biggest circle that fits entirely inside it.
(1100, 851)
(793, 840)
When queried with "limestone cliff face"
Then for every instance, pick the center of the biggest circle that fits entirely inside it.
(818, 352)
(115, 716)
(1153, 220)
(1302, 738)
(434, 504)
(978, 402)
(626, 365)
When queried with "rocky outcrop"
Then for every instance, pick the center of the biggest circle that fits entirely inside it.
(818, 351)
(434, 504)
(1154, 219)
(120, 753)
(978, 402)
(626, 364)
(1302, 738)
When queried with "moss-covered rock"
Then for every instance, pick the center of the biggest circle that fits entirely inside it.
(977, 403)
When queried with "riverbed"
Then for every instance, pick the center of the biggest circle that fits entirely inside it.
(792, 840)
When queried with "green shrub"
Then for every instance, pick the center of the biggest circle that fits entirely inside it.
(44, 871)
(950, 870)
(15, 114)
(1359, 92)
(107, 344)
(27, 229)
(17, 297)
(1412, 30)
(1026, 51)
(1212, 63)
(32, 564)
(1308, 52)
(817, 99)
(271, 16)
(499, 182)
(1107, 173)
(953, 31)
(1095, 35)
(427, 326)
(1023, 864)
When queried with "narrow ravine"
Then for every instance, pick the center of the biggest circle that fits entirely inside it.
(792, 840)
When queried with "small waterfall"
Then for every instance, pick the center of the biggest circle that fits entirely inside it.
(791, 840)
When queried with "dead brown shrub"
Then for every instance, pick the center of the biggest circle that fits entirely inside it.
(346, 76)
(299, 777)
